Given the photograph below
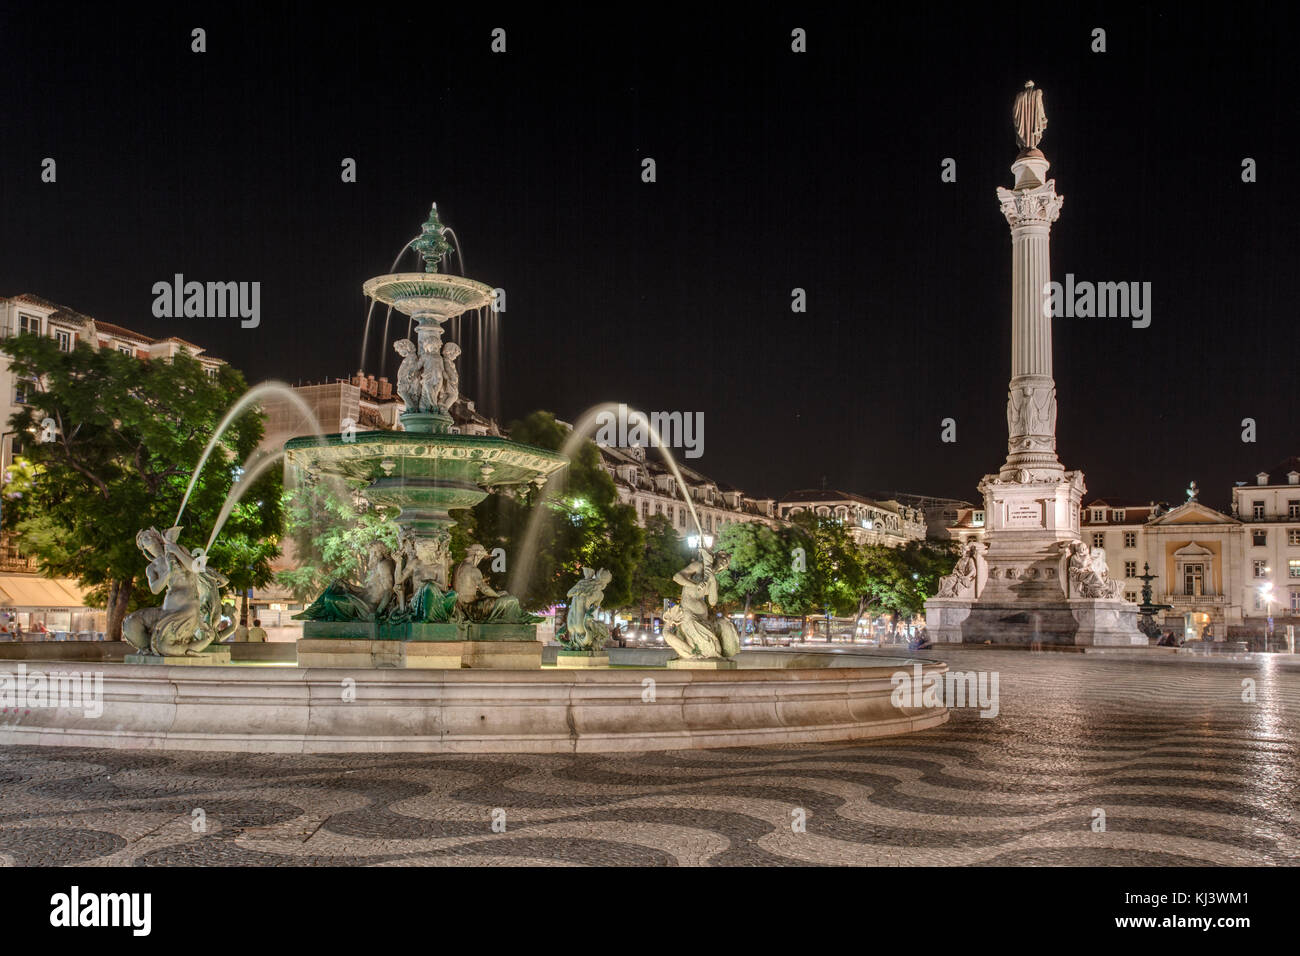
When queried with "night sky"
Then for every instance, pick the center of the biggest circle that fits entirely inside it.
(775, 170)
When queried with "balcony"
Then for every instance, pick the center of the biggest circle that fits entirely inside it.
(1199, 599)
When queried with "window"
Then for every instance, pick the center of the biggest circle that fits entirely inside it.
(1293, 536)
(1295, 599)
(1259, 602)
(65, 340)
(1194, 579)
(1098, 514)
(659, 507)
(1259, 537)
(22, 391)
(28, 323)
(1131, 597)
(1099, 539)
(977, 519)
(645, 509)
(1118, 515)
(127, 350)
(1261, 569)
(1130, 569)
(669, 512)
(1257, 509)
(681, 517)
(1293, 568)
(1293, 509)
(1130, 539)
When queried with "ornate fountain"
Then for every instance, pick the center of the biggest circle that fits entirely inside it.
(410, 611)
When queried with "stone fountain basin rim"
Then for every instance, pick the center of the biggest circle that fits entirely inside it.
(290, 710)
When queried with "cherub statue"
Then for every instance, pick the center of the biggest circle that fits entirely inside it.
(430, 375)
(449, 392)
(408, 374)
(581, 630)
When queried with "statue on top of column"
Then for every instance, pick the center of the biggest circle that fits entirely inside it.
(1028, 117)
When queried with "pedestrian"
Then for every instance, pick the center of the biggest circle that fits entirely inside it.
(256, 634)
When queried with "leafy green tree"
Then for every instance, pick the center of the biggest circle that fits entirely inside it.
(759, 559)
(661, 557)
(588, 525)
(328, 534)
(113, 443)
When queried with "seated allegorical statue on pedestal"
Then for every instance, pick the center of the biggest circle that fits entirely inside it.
(346, 601)
(968, 575)
(477, 601)
(1085, 573)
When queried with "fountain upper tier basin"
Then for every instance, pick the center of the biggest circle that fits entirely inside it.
(429, 293)
(483, 460)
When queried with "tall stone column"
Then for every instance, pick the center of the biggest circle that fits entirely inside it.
(1030, 209)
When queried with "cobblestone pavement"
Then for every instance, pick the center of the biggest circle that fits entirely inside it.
(1184, 771)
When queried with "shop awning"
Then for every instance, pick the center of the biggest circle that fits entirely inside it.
(33, 591)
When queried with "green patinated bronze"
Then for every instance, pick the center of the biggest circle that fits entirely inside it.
(432, 244)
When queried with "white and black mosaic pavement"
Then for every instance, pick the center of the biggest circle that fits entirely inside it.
(1184, 770)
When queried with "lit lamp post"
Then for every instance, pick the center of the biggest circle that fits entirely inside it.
(1266, 595)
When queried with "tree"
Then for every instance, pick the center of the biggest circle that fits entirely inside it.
(329, 534)
(661, 557)
(759, 559)
(588, 525)
(114, 442)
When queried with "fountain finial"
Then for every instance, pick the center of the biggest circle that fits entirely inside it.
(432, 244)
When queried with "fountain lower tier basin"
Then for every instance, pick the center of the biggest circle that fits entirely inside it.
(341, 710)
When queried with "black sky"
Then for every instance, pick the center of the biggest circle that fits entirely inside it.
(775, 170)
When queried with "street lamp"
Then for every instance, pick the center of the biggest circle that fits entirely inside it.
(693, 541)
(1266, 595)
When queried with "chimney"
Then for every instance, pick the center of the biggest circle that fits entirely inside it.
(385, 387)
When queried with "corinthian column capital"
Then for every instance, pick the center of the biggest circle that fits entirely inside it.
(1040, 205)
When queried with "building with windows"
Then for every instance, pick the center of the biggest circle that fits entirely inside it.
(31, 314)
(1229, 572)
(870, 522)
(1269, 510)
(649, 486)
